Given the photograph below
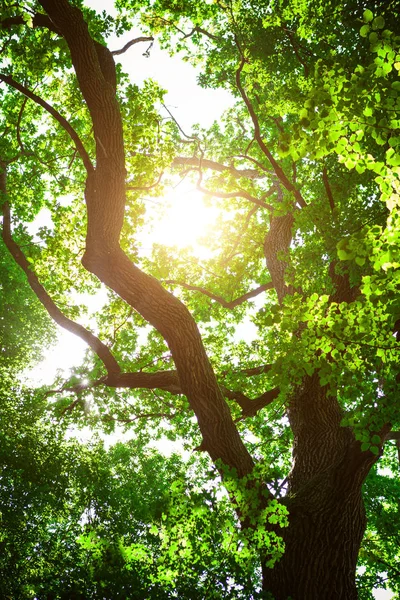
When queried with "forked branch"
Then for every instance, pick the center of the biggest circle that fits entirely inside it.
(257, 134)
(229, 305)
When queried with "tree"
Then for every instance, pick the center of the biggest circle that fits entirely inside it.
(305, 171)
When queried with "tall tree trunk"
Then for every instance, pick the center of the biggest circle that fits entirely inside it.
(326, 512)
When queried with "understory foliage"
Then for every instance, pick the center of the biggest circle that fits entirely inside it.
(270, 358)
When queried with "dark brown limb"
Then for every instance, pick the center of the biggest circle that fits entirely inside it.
(295, 49)
(328, 188)
(260, 370)
(257, 134)
(168, 381)
(132, 43)
(344, 292)
(95, 344)
(250, 407)
(105, 199)
(276, 247)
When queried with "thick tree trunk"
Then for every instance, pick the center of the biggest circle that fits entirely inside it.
(326, 512)
(322, 543)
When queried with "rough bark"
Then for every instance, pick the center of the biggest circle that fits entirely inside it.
(276, 247)
(327, 520)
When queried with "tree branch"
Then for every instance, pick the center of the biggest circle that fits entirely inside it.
(256, 370)
(95, 344)
(257, 134)
(249, 406)
(216, 166)
(132, 43)
(61, 120)
(162, 380)
(219, 299)
(392, 435)
(105, 195)
(168, 381)
(237, 194)
(198, 29)
(328, 188)
(298, 56)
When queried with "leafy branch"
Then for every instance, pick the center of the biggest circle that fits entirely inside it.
(61, 120)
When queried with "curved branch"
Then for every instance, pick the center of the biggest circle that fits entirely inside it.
(132, 43)
(219, 299)
(198, 29)
(216, 166)
(238, 194)
(95, 344)
(106, 197)
(255, 161)
(250, 407)
(54, 113)
(257, 134)
(256, 370)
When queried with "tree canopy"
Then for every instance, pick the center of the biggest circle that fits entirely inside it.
(288, 477)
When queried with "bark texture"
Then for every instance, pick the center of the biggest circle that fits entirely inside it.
(327, 519)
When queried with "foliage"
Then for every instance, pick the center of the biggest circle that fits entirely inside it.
(80, 521)
(303, 171)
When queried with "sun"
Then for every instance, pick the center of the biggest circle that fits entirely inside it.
(181, 218)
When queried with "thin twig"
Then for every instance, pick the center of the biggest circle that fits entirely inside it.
(61, 120)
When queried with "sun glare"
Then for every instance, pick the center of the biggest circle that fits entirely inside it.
(184, 222)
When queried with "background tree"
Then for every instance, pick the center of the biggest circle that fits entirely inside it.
(304, 169)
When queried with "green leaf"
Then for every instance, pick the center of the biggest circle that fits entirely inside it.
(367, 16)
(378, 23)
